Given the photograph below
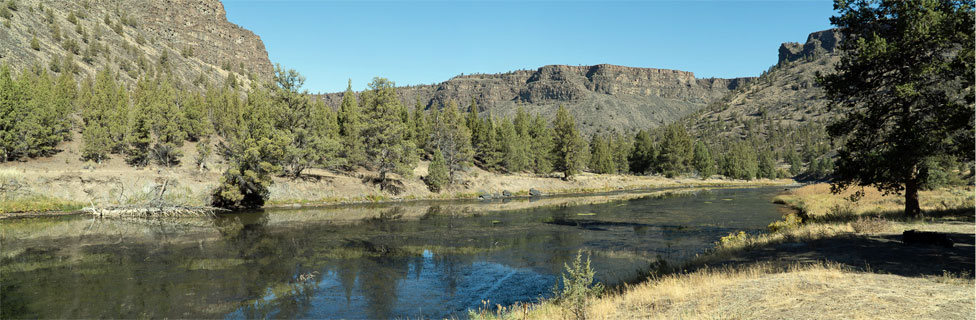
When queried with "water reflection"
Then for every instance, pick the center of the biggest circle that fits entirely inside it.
(374, 261)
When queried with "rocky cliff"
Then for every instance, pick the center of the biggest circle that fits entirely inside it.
(787, 94)
(601, 97)
(191, 39)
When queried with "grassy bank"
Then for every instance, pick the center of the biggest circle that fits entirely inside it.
(60, 183)
(831, 258)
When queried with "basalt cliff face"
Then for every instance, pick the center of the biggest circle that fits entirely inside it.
(189, 39)
(601, 97)
(787, 94)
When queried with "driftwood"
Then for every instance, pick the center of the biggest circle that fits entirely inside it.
(152, 211)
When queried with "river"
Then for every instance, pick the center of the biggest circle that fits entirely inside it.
(417, 259)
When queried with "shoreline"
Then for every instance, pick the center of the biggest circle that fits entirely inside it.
(675, 184)
(850, 252)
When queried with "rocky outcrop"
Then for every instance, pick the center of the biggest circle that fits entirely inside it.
(189, 39)
(602, 97)
(819, 42)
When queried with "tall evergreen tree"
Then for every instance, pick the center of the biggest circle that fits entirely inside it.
(420, 127)
(621, 146)
(387, 148)
(541, 138)
(451, 137)
(676, 151)
(253, 152)
(305, 124)
(437, 176)
(514, 148)
(569, 146)
(643, 156)
(350, 126)
(905, 90)
(601, 159)
(104, 112)
(702, 160)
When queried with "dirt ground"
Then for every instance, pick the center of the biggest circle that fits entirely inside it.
(65, 179)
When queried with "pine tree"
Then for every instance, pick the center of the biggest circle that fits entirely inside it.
(904, 90)
(385, 135)
(254, 151)
(195, 124)
(675, 153)
(601, 159)
(702, 160)
(437, 176)
(643, 156)
(739, 162)
(308, 126)
(569, 146)
(621, 146)
(105, 112)
(349, 128)
(542, 141)
(767, 165)
(420, 127)
(513, 147)
(452, 138)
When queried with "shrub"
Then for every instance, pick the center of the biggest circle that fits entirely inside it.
(34, 44)
(437, 177)
(578, 286)
(733, 240)
(869, 225)
(791, 221)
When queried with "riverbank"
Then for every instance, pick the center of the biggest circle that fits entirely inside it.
(846, 260)
(62, 183)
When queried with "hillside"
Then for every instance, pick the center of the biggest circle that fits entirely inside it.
(601, 97)
(786, 95)
(190, 39)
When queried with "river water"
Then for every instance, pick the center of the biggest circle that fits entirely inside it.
(410, 260)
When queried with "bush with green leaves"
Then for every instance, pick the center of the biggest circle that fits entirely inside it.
(437, 176)
(578, 286)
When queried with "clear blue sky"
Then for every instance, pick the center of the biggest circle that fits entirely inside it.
(428, 42)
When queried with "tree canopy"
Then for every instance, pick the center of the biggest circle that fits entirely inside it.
(905, 89)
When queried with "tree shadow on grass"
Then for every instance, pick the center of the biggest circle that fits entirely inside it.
(881, 252)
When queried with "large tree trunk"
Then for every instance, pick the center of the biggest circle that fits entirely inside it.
(911, 195)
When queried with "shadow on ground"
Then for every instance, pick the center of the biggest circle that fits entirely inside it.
(878, 253)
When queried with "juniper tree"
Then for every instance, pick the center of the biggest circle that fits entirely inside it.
(675, 151)
(514, 148)
(437, 177)
(905, 89)
(385, 135)
(104, 112)
(452, 138)
(350, 127)
(254, 151)
(601, 159)
(569, 147)
(643, 156)
(541, 138)
(621, 146)
(702, 160)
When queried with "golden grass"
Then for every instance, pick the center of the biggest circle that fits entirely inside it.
(764, 291)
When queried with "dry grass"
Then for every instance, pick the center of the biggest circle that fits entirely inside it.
(780, 289)
(766, 291)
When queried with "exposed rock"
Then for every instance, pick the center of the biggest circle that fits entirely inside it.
(535, 193)
(819, 42)
(788, 94)
(194, 36)
(601, 97)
